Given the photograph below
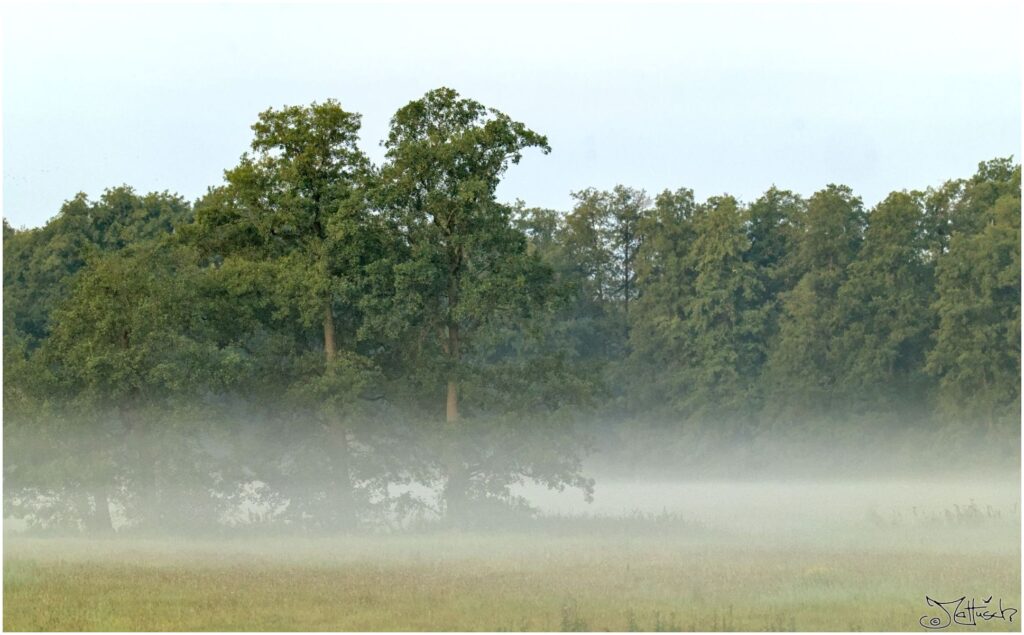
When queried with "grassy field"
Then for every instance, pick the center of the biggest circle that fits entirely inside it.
(858, 571)
(477, 582)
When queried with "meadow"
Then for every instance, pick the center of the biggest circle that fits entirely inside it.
(865, 562)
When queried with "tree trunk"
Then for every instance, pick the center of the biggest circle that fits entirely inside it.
(80, 501)
(140, 452)
(337, 439)
(456, 488)
(452, 405)
(625, 281)
(344, 502)
(456, 485)
(154, 515)
(330, 347)
(452, 402)
(101, 515)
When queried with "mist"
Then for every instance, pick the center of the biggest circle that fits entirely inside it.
(221, 479)
(689, 542)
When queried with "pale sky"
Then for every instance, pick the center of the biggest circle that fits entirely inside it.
(723, 97)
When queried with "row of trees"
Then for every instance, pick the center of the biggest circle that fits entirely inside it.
(318, 336)
(798, 308)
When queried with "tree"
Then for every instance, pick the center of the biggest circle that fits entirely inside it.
(665, 273)
(39, 264)
(51, 406)
(541, 227)
(727, 315)
(773, 232)
(134, 339)
(802, 374)
(976, 356)
(445, 158)
(628, 207)
(293, 225)
(584, 261)
(706, 315)
(885, 303)
(603, 236)
(574, 326)
(473, 297)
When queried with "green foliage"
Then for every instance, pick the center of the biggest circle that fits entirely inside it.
(773, 232)
(39, 264)
(886, 306)
(703, 314)
(665, 274)
(135, 329)
(977, 343)
(466, 268)
(725, 318)
(602, 238)
(295, 206)
(803, 375)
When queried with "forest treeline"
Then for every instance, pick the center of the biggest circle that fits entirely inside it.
(318, 334)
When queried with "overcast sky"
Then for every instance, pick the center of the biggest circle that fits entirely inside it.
(721, 98)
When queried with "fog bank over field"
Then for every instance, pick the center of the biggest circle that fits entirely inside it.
(743, 556)
(706, 486)
(721, 500)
